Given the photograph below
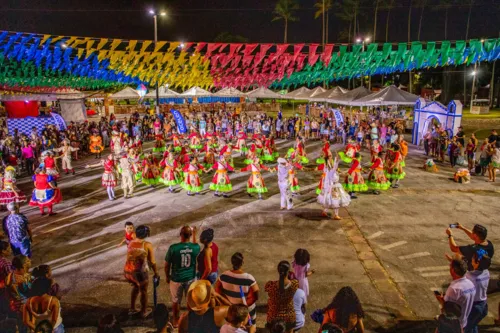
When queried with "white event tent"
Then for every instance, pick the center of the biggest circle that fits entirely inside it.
(350, 96)
(328, 95)
(164, 92)
(229, 92)
(388, 96)
(196, 92)
(127, 93)
(316, 91)
(301, 93)
(263, 92)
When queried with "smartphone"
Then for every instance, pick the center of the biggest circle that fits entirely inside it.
(437, 293)
(454, 225)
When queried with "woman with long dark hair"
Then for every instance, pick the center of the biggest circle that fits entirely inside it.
(280, 301)
(346, 311)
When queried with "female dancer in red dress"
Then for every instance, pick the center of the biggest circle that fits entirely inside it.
(46, 193)
(108, 177)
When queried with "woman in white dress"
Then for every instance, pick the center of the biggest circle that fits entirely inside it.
(333, 196)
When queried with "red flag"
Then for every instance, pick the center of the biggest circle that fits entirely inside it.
(211, 47)
(234, 48)
(249, 49)
(312, 59)
(280, 49)
(327, 54)
(264, 48)
(200, 46)
(247, 60)
(300, 62)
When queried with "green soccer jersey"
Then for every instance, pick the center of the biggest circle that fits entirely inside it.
(182, 259)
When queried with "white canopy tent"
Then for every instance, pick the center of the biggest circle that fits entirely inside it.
(388, 96)
(350, 96)
(316, 91)
(65, 94)
(229, 92)
(263, 92)
(164, 92)
(328, 95)
(127, 93)
(301, 93)
(196, 92)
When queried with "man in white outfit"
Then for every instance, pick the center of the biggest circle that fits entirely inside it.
(66, 150)
(128, 181)
(284, 185)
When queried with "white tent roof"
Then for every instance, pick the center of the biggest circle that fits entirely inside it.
(196, 92)
(350, 96)
(388, 96)
(127, 93)
(316, 91)
(229, 92)
(49, 96)
(301, 93)
(263, 92)
(164, 92)
(328, 95)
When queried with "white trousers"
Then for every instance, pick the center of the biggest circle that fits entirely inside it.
(66, 163)
(286, 196)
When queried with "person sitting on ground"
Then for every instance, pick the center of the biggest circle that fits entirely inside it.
(41, 306)
(478, 235)
(461, 290)
(140, 253)
(207, 310)
(346, 311)
(109, 324)
(280, 301)
(238, 320)
(160, 317)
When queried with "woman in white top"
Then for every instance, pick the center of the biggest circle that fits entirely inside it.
(40, 306)
(480, 277)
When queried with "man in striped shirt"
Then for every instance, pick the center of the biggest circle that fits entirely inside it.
(239, 287)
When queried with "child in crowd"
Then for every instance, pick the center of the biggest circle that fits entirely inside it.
(129, 233)
(45, 272)
(301, 269)
(237, 320)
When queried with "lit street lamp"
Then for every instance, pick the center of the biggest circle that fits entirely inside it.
(152, 12)
(474, 75)
(363, 41)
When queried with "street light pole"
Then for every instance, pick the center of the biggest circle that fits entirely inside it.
(474, 74)
(157, 108)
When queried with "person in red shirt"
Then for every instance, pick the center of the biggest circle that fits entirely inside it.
(108, 177)
(208, 259)
(354, 181)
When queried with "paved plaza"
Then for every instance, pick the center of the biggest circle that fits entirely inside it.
(390, 248)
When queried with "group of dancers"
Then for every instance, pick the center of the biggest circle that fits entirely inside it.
(187, 157)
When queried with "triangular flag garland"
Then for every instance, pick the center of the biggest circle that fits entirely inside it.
(40, 60)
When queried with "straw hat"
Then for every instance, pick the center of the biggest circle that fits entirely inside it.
(199, 295)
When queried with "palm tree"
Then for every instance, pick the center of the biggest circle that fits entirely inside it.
(409, 20)
(323, 7)
(377, 3)
(389, 5)
(284, 10)
(445, 5)
(420, 4)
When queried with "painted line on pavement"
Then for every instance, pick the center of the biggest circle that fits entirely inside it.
(415, 255)
(375, 235)
(393, 245)
(431, 268)
(435, 274)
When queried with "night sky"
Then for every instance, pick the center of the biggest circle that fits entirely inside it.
(203, 20)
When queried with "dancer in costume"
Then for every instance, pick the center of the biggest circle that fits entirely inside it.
(176, 140)
(46, 193)
(95, 144)
(108, 177)
(195, 141)
(269, 150)
(170, 176)
(251, 154)
(375, 149)
(135, 159)
(292, 175)
(354, 181)
(393, 169)
(325, 152)
(184, 155)
(377, 181)
(209, 158)
(50, 165)
(350, 150)
(66, 151)
(241, 143)
(150, 171)
(137, 145)
(159, 146)
(298, 153)
(332, 195)
(227, 152)
(192, 183)
(116, 144)
(256, 183)
(221, 182)
(128, 175)
(284, 184)
(10, 192)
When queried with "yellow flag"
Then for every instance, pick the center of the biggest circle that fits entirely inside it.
(173, 46)
(90, 43)
(159, 45)
(102, 55)
(115, 44)
(44, 39)
(56, 38)
(131, 45)
(80, 53)
(70, 41)
(145, 45)
(102, 42)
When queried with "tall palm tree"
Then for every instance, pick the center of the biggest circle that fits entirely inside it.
(445, 5)
(420, 4)
(470, 3)
(375, 14)
(285, 10)
(323, 8)
(388, 5)
(409, 20)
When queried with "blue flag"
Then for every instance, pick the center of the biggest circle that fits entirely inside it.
(179, 120)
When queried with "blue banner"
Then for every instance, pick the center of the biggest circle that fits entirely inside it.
(338, 116)
(179, 120)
